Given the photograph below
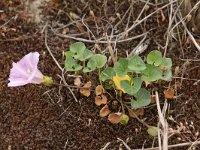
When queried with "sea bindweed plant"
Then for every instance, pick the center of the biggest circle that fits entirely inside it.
(128, 76)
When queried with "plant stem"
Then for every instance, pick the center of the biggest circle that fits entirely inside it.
(71, 86)
(99, 73)
(84, 64)
(138, 119)
(121, 101)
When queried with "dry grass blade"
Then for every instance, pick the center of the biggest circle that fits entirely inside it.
(174, 146)
(62, 70)
(124, 143)
(163, 143)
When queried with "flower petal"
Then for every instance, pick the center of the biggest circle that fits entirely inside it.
(25, 71)
(17, 82)
(30, 61)
(38, 77)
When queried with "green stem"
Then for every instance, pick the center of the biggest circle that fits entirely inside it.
(99, 74)
(84, 64)
(70, 86)
(121, 101)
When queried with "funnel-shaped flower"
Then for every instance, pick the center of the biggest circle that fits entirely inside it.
(26, 71)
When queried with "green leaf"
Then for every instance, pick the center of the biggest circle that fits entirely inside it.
(151, 73)
(107, 74)
(131, 87)
(167, 63)
(77, 67)
(85, 55)
(99, 59)
(68, 54)
(86, 70)
(69, 63)
(153, 131)
(91, 65)
(143, 98)
(154, 57)
(135, 63)
(121, 67)
(77, 47)
(167, 75)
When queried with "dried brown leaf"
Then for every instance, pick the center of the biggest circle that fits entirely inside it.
(104, 111)
(136, 112)
(115, 118)
(99, 100)
(86, 92)
(169, 93)
(163, 68)
(99, 90)
(77, 81)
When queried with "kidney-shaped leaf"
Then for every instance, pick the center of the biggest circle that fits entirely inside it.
(77, 47)
(99, 59)
(154, 57)
(121, 67)
(91, 65)
(135, 63)
(71, 65)
(151, 73)
(107, 74)
(166, 64)
(167, 75)
(68, 54)
(143, 98)
(131, 88)
(85, 55)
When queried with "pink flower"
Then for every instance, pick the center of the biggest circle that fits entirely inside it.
(26, 71)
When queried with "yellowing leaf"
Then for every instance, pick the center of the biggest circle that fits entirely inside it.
(104, 111)
(169, 93)
(99, 100)
(153, 131)
(99, 90)
(117, 80)
(86, 92)
(115, 118)
(136, 112)
(124, 119)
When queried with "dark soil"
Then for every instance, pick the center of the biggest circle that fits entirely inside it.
(38, 117)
